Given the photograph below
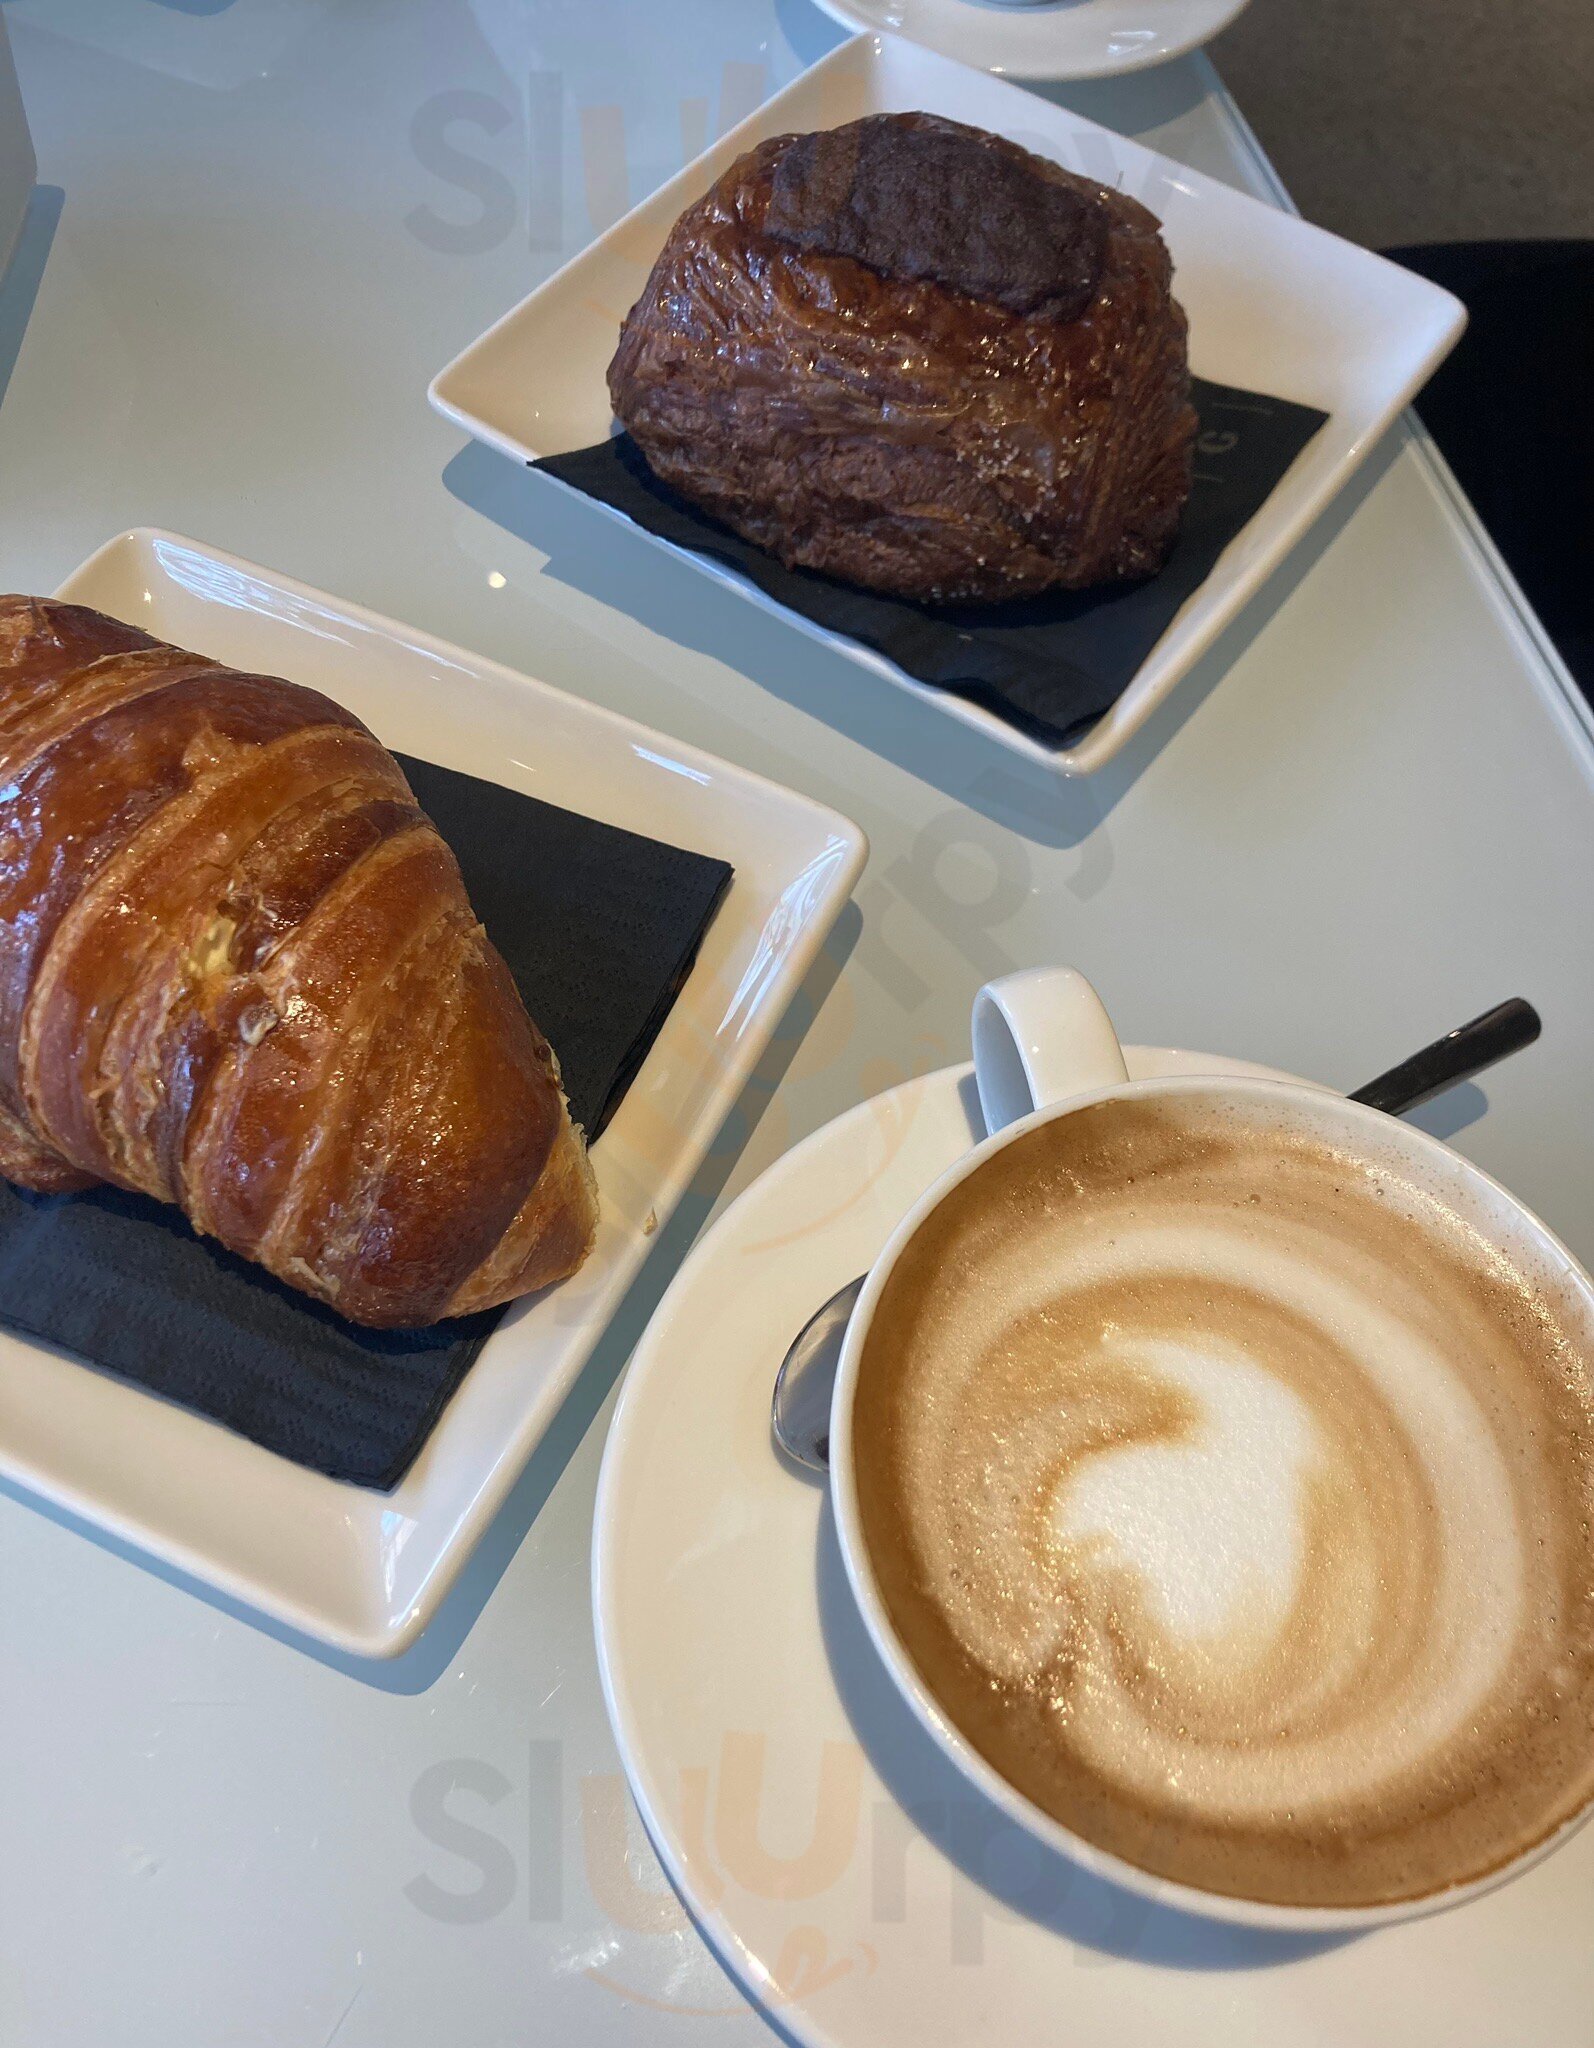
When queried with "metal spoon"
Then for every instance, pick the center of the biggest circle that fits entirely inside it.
(800, 1410)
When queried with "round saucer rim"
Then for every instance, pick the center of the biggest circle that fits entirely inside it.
(855, 16)
(716, 1930)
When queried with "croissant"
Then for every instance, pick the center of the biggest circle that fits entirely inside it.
(239, 972)
(913, 356)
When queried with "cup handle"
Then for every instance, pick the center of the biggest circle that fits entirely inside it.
(1041, 1036)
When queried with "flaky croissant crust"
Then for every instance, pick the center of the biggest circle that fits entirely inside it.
(239, 972)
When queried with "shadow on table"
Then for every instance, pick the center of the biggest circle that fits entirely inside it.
(19, 283)
(1014, 1873)
(1134, 102)
(1449, 1113)
(590, 549)
(811, 32)
(419, 1667)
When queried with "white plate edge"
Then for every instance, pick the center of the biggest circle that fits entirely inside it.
(1150, 687)
(399, 1630)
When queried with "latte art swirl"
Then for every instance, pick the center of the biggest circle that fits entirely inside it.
(1235, 1501)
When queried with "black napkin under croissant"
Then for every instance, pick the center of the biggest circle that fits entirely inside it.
(239, 972)
(912, 355)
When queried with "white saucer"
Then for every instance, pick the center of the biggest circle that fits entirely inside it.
(1066, 39)
(842, 1873)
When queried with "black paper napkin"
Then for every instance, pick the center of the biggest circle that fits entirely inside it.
(1048, 665)
(599, 927)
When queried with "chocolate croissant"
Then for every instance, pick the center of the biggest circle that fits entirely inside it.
(239, 972)
(915, 357)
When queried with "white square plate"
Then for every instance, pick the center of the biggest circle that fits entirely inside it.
(1274, 305)
(365, 1570)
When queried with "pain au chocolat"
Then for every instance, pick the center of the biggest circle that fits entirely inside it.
(239, 972)
(916, 357)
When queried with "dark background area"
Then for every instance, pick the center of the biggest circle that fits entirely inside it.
(1458, 135)
(1401, 121)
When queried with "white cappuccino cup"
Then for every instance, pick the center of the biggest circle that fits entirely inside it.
(1224, 1671)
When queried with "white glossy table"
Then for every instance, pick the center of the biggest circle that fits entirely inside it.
(1365, 819)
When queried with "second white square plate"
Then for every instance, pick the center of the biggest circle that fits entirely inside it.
(1275, 306)
(359, 1569)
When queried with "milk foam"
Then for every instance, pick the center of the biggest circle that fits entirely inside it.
(1192, 1544)
(1240, 1503)
(1211, 1526)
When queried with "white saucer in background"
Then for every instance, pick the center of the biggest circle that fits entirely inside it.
(842, 1871)
(1060, 39)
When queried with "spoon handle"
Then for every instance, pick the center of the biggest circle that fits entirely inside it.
(1467, 1050)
